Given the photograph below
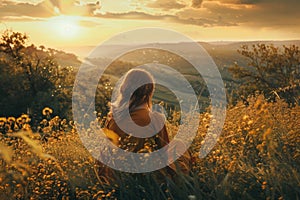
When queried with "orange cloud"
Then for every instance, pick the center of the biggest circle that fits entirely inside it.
(47, 8)
(166, 4)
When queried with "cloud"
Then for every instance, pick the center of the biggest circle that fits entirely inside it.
(249, 1)
(88, 24)
(20, 19)
(206, 22)
(47, 8)
(74, 7)
(12, 9)
(197, 3)
(275, 14)
(235, 1)
(270, 14)
(166, 5)
(133, 15)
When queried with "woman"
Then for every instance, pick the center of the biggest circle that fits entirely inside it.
(139, 104)
(140, 109)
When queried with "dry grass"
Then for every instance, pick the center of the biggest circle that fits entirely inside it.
(256, 157)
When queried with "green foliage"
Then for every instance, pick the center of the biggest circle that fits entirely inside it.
(31, 77)
(271, 70)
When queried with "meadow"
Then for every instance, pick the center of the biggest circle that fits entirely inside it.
(257, 157)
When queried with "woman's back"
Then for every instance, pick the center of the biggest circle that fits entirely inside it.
(141, 117)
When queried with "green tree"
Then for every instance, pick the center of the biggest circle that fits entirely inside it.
(271, 70)
(30, 77)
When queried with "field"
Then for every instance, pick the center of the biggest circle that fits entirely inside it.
(256, 157)
(226, 77)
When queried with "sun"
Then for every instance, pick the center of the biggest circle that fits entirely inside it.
(65, 27)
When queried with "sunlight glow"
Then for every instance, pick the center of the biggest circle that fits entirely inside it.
(65, 26)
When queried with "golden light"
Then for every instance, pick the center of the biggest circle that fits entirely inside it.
(66, 27)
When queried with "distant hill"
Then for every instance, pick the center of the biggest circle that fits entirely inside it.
(66, 59)
(218, 47)
(224, 55)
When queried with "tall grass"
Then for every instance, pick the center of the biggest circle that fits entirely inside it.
(256, 157)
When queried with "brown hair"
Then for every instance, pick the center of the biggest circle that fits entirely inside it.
(141, 95)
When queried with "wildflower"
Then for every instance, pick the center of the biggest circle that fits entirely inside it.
(250, 122)
(64, 124)
(44, 122)
(11, 119)
(47, 111)
(264, 185)
(233, 142)
(26, 127)
(56, 118)
(25, 118)
(2, 121)
(19, 120)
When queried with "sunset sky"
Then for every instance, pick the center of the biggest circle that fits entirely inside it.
(59, 23)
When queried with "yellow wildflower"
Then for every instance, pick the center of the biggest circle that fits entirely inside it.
(19, 120)
(233, 142)
(11, 119)
(25, 118)
(245, 117)
(2, 120)
(47, 111)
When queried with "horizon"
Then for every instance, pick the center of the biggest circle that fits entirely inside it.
(73, 23)
(85, 50)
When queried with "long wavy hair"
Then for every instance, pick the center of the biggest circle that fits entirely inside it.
(142, 95)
